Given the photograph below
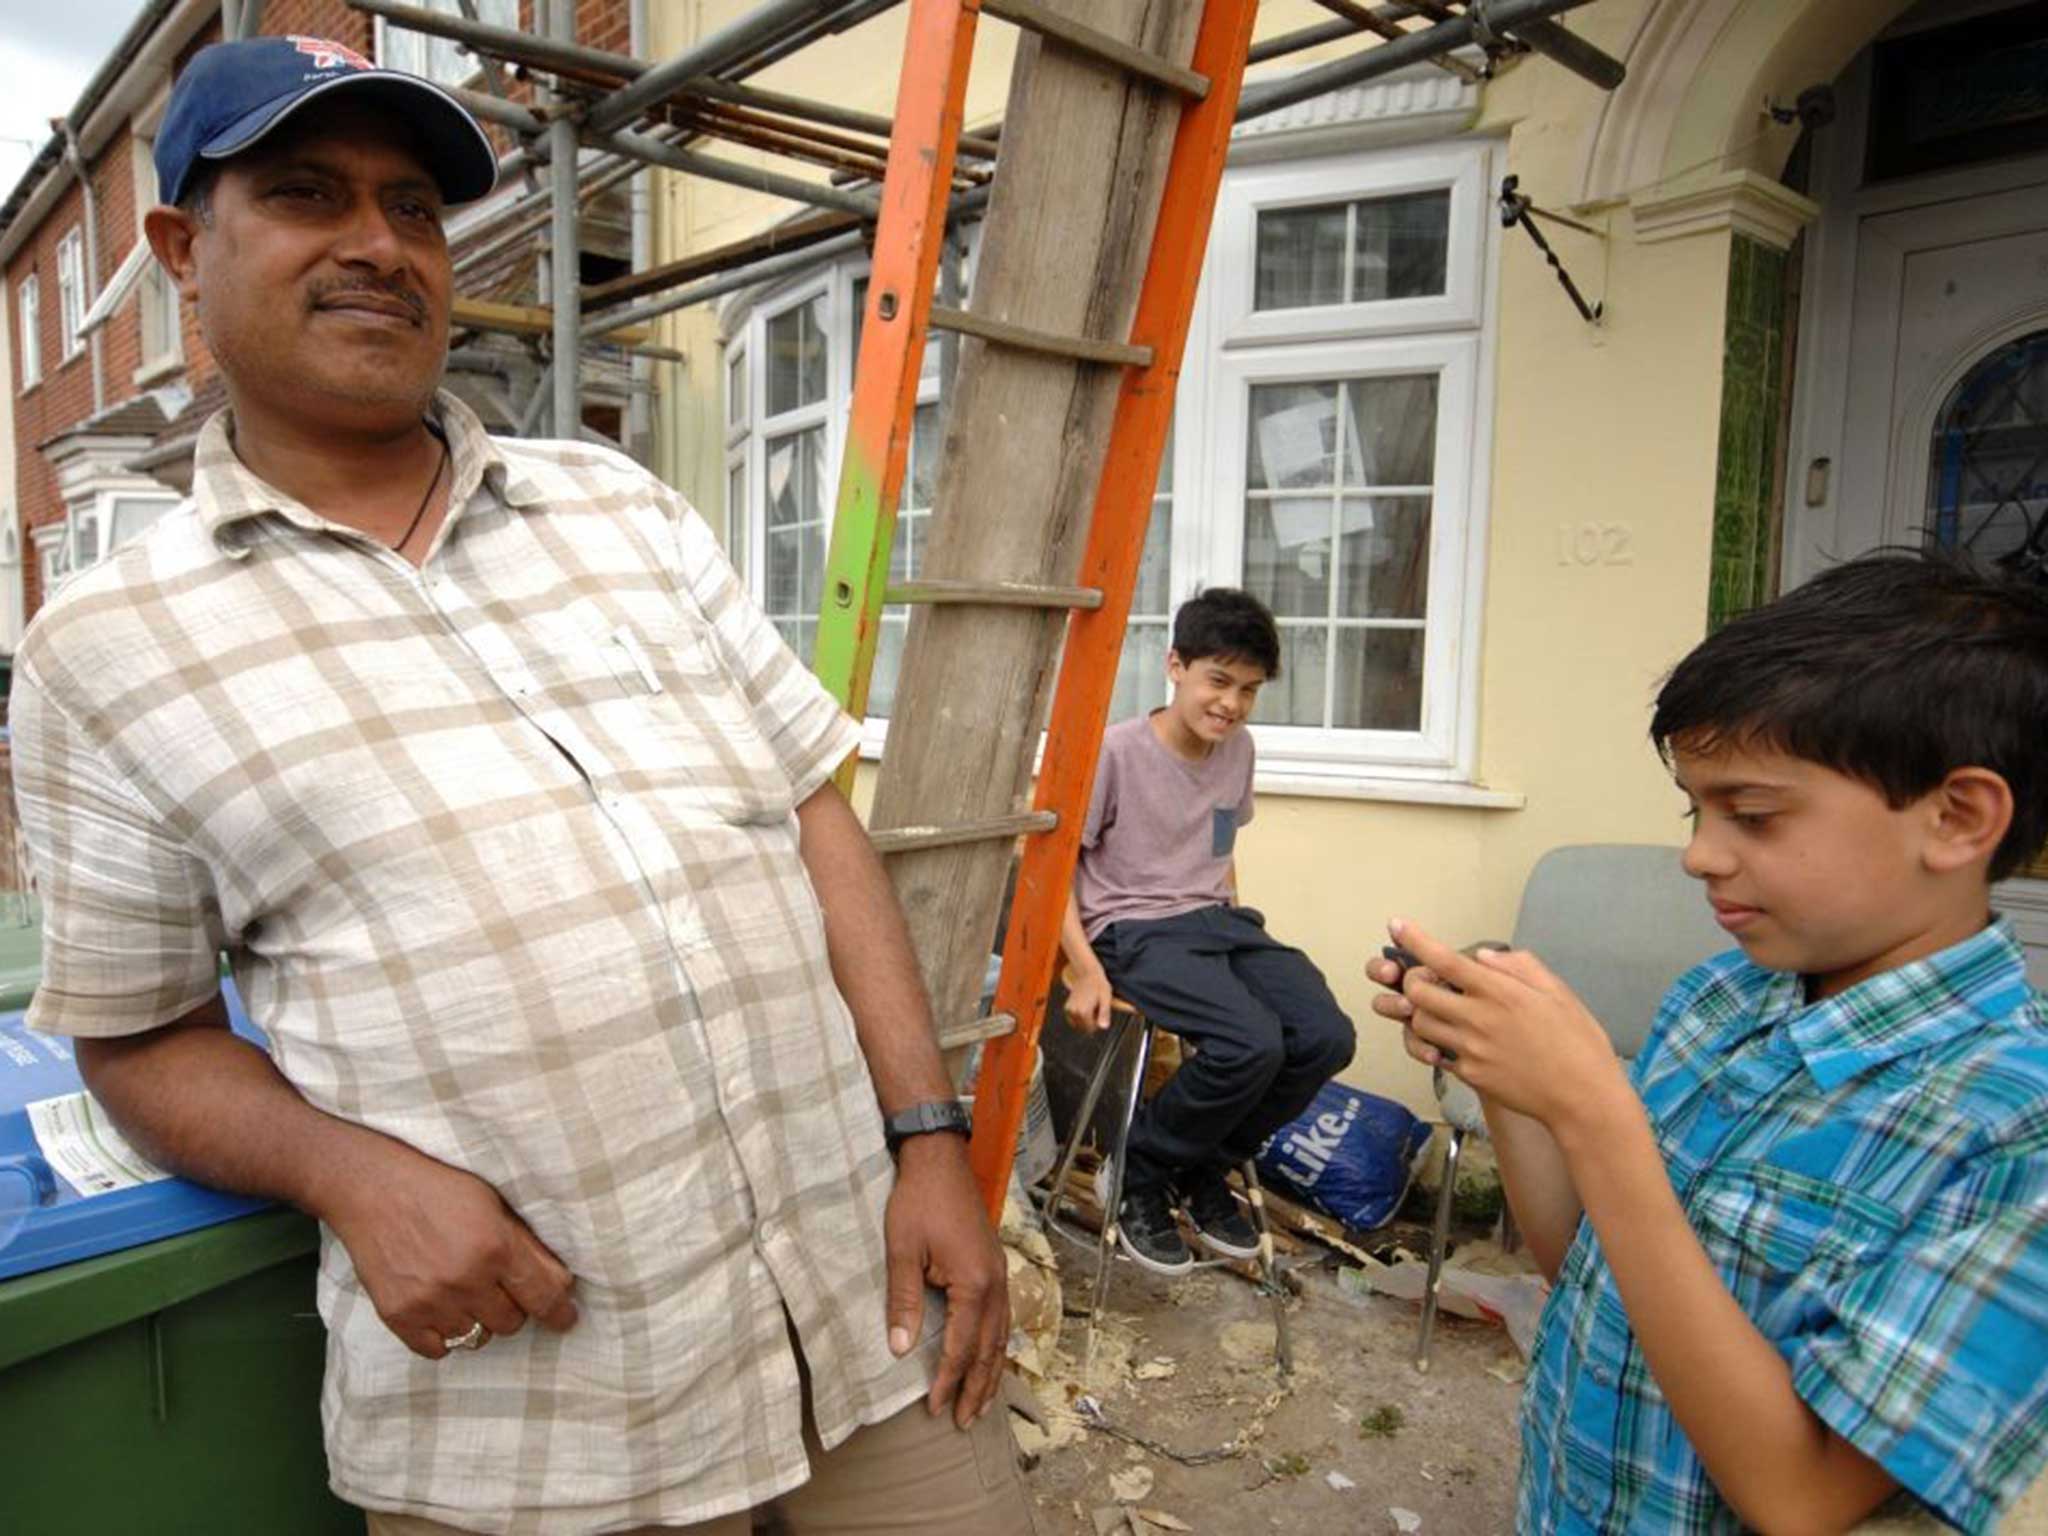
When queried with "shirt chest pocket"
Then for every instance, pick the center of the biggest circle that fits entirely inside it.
(671, 716)
(1792, 1224)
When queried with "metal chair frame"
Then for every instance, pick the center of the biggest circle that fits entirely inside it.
(1128, 1024)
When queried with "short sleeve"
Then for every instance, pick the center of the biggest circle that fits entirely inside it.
(804, 724)
(1245, 807)
(131, 924)
(1932, 1362)
(1101, 800)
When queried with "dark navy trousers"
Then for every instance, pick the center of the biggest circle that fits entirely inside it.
(1267, 1034)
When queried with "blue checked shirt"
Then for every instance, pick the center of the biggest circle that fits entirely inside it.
(1869, 1175)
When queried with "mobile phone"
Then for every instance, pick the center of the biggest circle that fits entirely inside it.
(1401, 957)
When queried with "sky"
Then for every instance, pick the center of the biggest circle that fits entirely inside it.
(46, 62)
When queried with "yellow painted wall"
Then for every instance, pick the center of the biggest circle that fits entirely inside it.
(1614, 425)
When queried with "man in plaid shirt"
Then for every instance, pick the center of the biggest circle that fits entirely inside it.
(1800, 1249)
(588, 1002)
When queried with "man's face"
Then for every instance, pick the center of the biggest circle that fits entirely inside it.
(1213, 695)
(320, 272)
(1810, 870)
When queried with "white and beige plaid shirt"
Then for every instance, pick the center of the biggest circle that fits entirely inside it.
(503, 854)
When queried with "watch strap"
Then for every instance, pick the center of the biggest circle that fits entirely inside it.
(923, 1119)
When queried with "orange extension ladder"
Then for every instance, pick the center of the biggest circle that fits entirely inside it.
(916, 195)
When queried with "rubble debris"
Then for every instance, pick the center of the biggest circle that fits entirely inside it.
(1131, 1483)
(1406, 1521)
(1339, 1481)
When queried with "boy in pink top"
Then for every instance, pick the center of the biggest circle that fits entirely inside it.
(1154, 918)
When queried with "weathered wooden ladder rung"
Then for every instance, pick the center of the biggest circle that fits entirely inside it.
(992, 1027)
(1083, 38)
(908, 839)
(1081, 349)
(998, 594)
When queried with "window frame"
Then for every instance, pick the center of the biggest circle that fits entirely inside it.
(71, 296)
(1230, 347)
(53, 553)
(449, 8)
(28, 315)
(155, 294)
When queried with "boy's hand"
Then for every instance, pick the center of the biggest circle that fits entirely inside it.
(1519, 1035)
(1088, 1002)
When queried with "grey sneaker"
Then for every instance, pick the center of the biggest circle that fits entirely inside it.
(1219, 1221)
(1145, 1227)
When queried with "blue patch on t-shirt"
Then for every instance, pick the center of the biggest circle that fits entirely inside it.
(1223, 831)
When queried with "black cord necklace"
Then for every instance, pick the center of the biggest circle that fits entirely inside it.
(439, 464)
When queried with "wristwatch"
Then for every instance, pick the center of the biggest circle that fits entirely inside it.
(923, 1119)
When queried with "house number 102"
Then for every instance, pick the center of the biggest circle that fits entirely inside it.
(1595, 544)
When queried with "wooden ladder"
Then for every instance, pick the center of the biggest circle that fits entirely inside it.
(1112, 152)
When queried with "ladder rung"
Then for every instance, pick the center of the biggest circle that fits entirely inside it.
(1034, 17)
(1080, 348)
(994, 1026)
(1003, 594)
(904, 839)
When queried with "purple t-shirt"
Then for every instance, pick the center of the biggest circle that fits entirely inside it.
(1160, 829)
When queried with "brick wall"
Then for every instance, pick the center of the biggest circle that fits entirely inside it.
(64, 396)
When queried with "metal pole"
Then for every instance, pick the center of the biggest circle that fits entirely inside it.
(564, 263)
(1385, 58)
(726, 46)
(645, 147)
(743, 277)
(252, 18)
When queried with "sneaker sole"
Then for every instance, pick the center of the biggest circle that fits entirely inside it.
(1225, 1250)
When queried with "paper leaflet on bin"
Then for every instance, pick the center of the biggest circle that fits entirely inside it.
(71, 1187)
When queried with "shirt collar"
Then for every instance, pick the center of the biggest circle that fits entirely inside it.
(1915, 1007)
(229, 496)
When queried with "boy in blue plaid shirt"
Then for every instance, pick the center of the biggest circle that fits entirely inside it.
(1800, 1248)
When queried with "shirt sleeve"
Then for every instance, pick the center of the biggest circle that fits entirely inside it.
(1931, 1363)
(1243, 814)
(809, 732)
(1101, 801)
(131, 924)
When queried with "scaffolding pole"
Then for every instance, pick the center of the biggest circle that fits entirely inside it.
(565, 260)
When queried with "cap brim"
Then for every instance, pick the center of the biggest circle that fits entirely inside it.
(459, 156)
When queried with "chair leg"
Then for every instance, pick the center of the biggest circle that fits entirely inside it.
(1114, 1195)
(1269, 1270)
(1097, 1081)
(1438, 1241)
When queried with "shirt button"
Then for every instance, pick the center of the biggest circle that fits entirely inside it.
(1603, 1376)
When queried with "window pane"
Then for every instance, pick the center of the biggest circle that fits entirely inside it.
(1383, 558)
(796, 357)
(888, 663)
(1293, 436)
(796, 471)
(1379, 679)
(1400, 246)
(1392, 430)
(738, 532)
(1300, 257)
(1287, 553)
(135, 515)
(800, 635)
(1155, 565)
(860, 315)
(736, 390)
(1141, 673)
(1295, 697)
(785, 570)
(1986, 490)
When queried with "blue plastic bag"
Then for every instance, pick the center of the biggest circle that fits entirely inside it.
(1350, 1154)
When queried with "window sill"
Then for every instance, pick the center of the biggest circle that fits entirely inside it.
(155, 372)
(1297, 785)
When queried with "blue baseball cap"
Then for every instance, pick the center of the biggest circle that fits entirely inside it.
(232, 94)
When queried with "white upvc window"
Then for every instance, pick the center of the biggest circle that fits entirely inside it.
(10, 579)
(156, 300)
(440, 59)
(1328, 454)
(53, 554)
(29, 334)
(71, 295)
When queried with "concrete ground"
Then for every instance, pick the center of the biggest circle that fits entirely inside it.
(1358, 1441)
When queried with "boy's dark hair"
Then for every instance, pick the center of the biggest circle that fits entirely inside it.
(1227, 622)
(1895, 668)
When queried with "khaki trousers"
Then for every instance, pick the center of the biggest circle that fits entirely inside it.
(909, 1474)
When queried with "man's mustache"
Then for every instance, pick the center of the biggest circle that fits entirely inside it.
(329, 292)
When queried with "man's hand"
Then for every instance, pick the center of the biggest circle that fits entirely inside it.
(937, 1232)
(1521, 1037)
(1088, 997)
(438, 1250)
